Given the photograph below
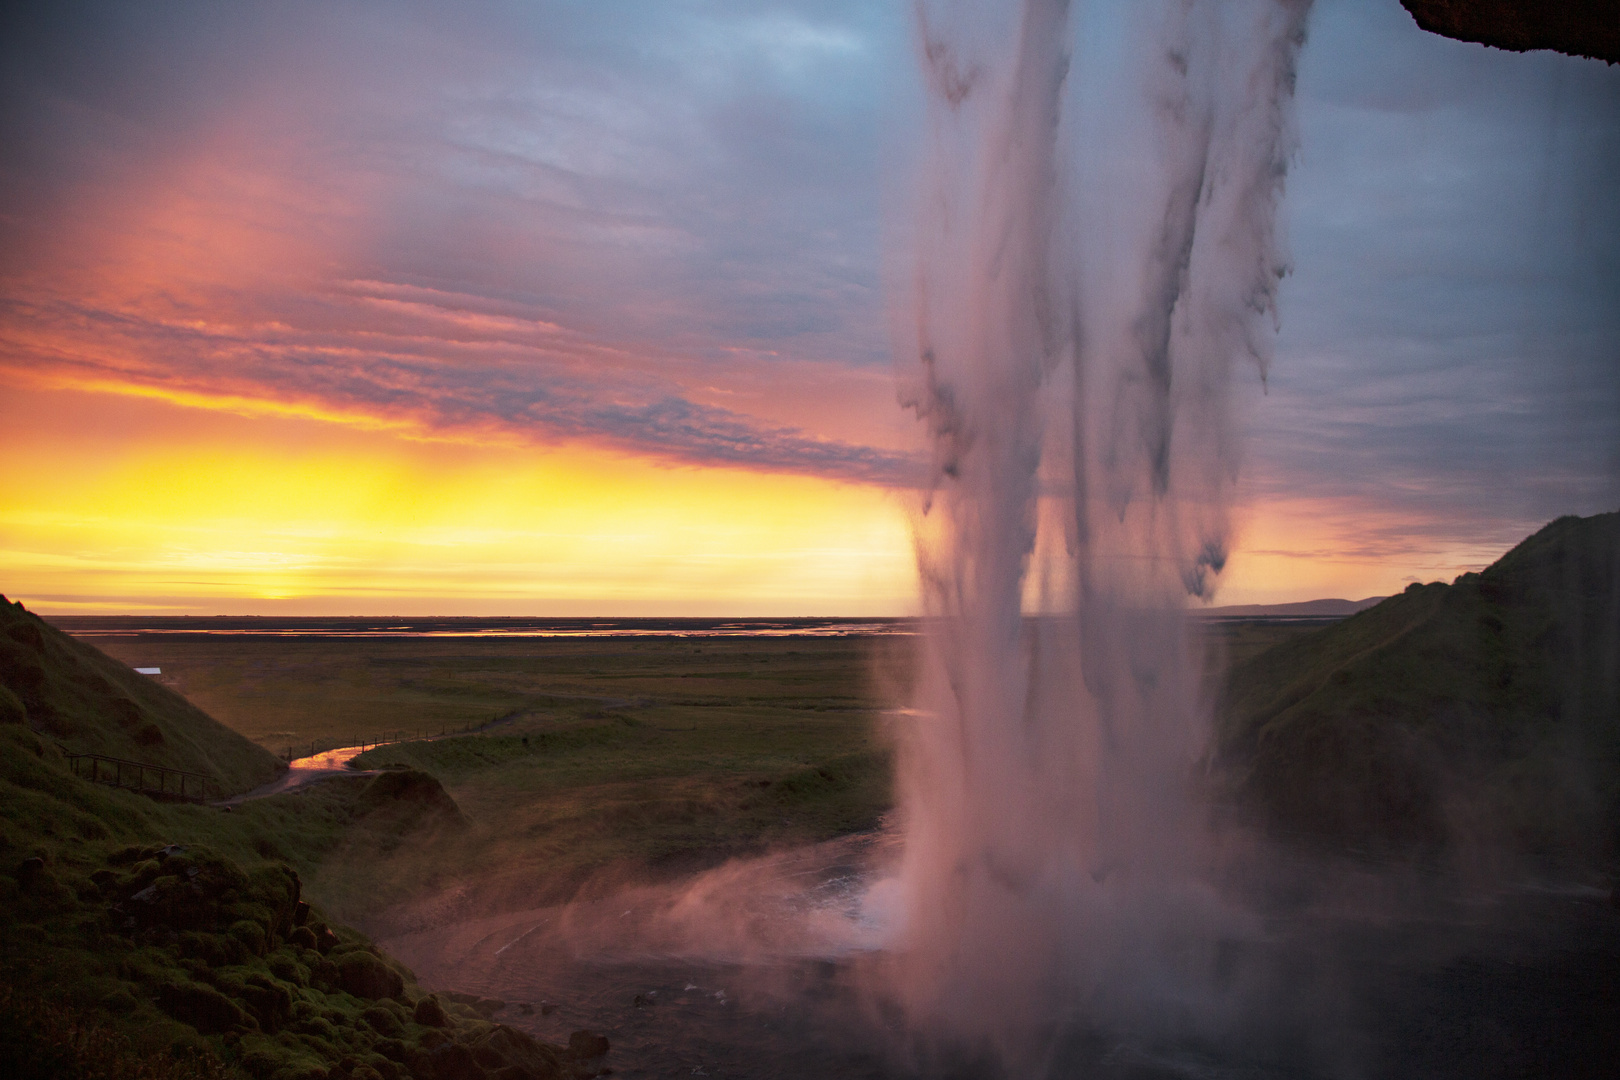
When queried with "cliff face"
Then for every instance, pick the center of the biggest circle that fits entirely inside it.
(1577, 27)
(1483, 713)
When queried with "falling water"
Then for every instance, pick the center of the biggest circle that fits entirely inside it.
(1086, 294)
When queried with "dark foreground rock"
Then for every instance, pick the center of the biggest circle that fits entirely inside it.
(1589, 28)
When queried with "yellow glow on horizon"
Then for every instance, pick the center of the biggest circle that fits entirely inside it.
(1301, 549)
(207, 514)
(114, 503)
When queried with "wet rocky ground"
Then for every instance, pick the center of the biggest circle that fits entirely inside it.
(1360, 972)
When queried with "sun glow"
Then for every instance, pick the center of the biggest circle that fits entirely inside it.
(173, 509)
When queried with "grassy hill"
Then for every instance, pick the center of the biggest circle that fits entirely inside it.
(86, 702)
(1482, 715)
(160, 939)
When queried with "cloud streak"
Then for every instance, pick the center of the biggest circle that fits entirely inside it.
(661, 228)
(480, 378)
(525, 225)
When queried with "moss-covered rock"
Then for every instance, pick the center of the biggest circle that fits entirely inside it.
(383, 1022)
(367, 976)
(504, 1046)
(203, 1008)
(587, 1045)
(453, 1061)
(429, 1013)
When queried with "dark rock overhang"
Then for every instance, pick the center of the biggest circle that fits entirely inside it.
(1588, 28)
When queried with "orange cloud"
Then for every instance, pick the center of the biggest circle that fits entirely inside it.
(1293, 548)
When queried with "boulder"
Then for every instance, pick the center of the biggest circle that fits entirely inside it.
(382, 1021)
(418, 1062)
(203, 1007)
(324, 975)
(366, 976)
(270, 1002)
(429, 1013)
(393, 1049)
(452, 1061)
(251, 935)
(504, 1046)
(410, 797)
(587, 1044)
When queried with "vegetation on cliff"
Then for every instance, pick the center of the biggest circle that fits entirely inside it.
(86, 702)
(149, 938)
(1482, 715)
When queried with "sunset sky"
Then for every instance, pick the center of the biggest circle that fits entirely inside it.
(580, 308)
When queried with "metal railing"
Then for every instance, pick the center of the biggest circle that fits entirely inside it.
(175, 784)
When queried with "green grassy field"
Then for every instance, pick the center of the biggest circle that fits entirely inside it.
(646, 755)
(620, 755)
(285, 691)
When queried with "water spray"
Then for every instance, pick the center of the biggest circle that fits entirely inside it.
(1076, 350)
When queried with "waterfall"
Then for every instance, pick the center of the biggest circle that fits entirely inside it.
(1093, 277)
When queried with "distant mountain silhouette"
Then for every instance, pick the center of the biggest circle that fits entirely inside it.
(1302, 609)
(1480, 716)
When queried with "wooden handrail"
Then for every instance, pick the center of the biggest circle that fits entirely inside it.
(133, 776)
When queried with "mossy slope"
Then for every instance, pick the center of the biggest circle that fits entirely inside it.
(1487, 710)
(87, 702)
(145, 938)
(183, 954)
